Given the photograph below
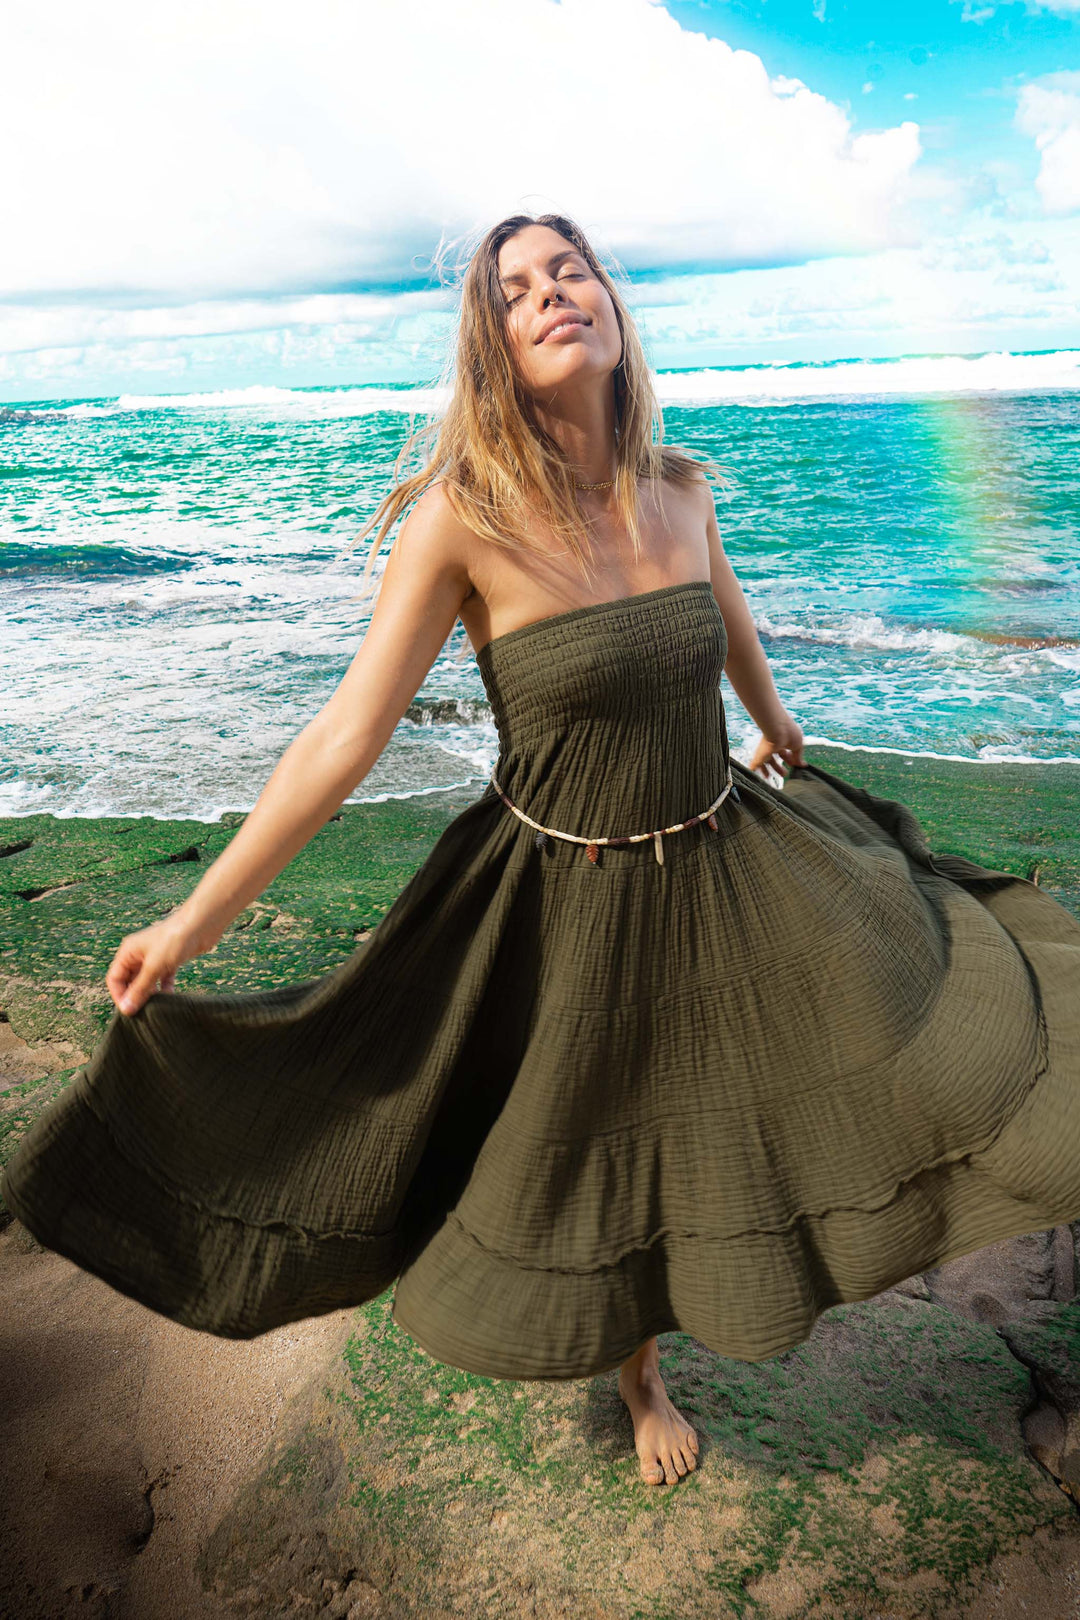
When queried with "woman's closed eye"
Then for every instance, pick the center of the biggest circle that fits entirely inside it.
(570, 275)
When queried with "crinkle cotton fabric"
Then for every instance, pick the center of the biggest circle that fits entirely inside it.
(566, 1105)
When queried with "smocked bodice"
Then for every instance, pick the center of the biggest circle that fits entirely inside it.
(609, 716)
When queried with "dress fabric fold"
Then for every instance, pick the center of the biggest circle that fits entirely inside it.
(562, 1103)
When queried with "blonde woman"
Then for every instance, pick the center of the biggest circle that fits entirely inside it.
(646, 1043)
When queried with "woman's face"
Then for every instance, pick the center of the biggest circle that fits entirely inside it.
(560, 320)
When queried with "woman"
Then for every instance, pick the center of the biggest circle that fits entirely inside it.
(645, 1043)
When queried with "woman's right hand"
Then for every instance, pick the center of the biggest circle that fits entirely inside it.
(148, 961)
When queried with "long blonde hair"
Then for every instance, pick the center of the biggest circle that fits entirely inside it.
(497, 464)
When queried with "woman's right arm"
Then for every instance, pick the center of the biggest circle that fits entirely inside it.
(424, 583)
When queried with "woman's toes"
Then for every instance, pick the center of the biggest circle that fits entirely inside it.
(652, 1473)
(691, 1441)
(688, 1458)
(679, 1460)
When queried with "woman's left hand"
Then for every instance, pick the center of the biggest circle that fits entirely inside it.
(782, 746)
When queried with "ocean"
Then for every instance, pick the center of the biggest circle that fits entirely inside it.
(175, 583)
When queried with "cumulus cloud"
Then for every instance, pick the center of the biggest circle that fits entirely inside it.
(232, 146)
(1049, 111)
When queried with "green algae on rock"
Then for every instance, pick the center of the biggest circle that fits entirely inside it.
(73, 888)
(879, 1467)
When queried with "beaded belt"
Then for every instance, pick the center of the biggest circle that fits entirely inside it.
(592, 845)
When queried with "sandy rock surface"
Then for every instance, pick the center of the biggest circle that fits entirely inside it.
(332, 1468)
(123, 1438)
(917, 1456)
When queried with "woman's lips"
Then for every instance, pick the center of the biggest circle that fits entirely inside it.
(562, 329)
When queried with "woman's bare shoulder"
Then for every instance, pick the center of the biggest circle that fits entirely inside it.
(436, 541)
(688, 495)
(434, 511)
(434, 530)
(693, 481)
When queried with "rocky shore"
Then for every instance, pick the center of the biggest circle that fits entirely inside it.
(919, 1455)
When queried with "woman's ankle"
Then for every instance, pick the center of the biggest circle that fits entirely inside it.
(643, 1367)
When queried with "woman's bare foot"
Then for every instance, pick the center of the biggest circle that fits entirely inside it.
(666, 1444)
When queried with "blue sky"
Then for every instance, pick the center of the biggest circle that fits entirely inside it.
(953, 66)
(230, 196)
(951, 55)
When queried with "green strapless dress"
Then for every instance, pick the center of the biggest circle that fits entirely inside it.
(568, 1103)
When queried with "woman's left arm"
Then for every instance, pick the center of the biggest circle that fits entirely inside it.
(747, 668)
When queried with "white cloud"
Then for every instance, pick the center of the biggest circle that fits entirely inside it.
(978, 14)
(90, 350)
(26, 328)
(229, 146)
(958, 294)
(1049, 111)
(984, 287)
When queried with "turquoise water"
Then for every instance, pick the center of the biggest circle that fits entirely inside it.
(174, 582)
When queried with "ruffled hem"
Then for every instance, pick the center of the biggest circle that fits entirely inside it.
(205, 1269)
(749, 1295)
(750, 1292)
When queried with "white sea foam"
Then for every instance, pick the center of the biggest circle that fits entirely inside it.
(932, 374)
(767, 384)
(85, 409)
(158, 797)
(142, 688)
(990, 754)
(330, 402)
(866, 630)
(1064, 657)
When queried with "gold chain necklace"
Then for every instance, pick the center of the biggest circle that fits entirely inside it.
(605, 483)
